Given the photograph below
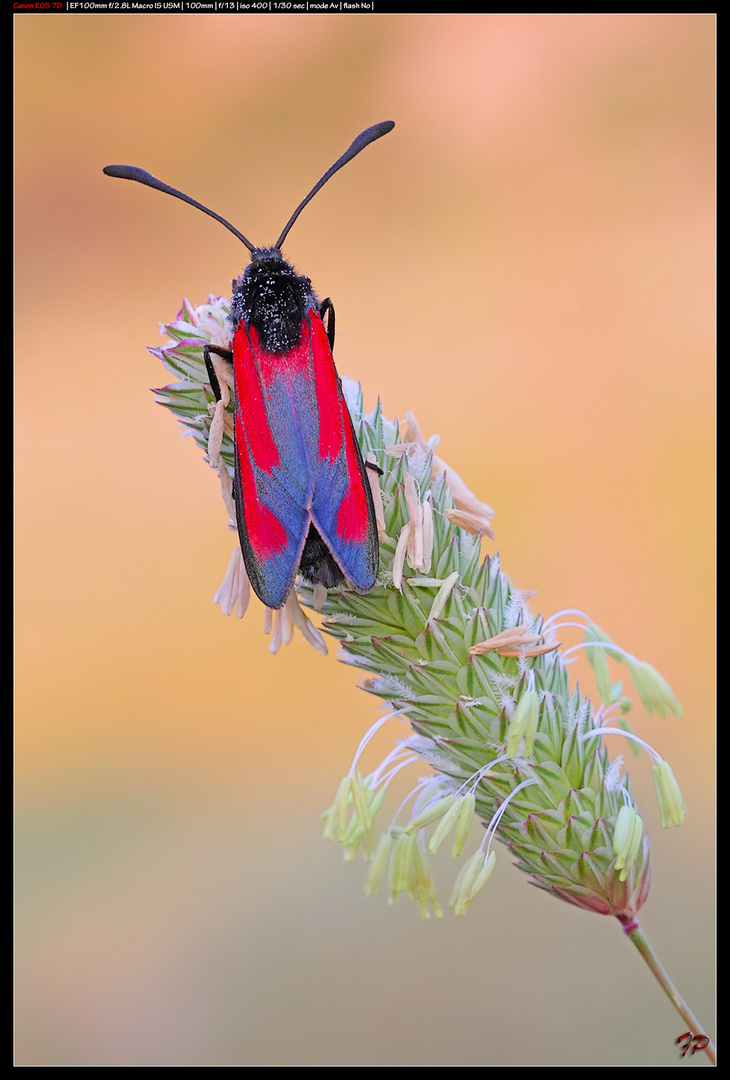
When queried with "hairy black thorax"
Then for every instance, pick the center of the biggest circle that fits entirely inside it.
(273, 298)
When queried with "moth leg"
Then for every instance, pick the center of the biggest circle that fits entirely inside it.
(217, 422)
(226, 354)
(327, 308)
(374, 467)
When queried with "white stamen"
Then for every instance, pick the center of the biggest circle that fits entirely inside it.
(608, 647)
(235, 592)
(492, 827)
(627, 735)
(227, 490)
(400, 555)
(372, 730)
(215, 435)
(374, 482)
(441, 597)
(567, 611)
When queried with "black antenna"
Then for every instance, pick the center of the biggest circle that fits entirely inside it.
(364, 139)
(131, 172)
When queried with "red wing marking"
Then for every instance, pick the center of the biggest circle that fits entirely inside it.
(352, 516)
(266, 534)
(327, 392)
(249, 390)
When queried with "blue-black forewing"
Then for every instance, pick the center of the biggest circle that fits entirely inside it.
(298, 461)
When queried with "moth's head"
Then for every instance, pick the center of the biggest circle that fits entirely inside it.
(267, 254)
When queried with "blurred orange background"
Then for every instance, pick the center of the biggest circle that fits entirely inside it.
(527, 263)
